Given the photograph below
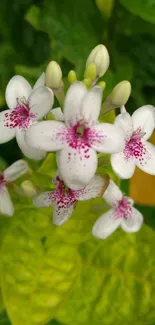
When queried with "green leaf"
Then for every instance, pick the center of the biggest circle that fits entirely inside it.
(71, 37)
(144, 9)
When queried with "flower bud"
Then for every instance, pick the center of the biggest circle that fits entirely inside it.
(100, 57)
(102, 84)
(72, 76)
(90, 72)
(121, 93)
(28, 188)
(53, 75)
(87, 82)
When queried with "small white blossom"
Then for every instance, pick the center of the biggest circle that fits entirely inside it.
(26, 107)
(122, 214)
(10, 174)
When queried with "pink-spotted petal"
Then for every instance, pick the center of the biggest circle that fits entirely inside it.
(112, 195)
(124, 121)
(143, 120)
(146, 161)
(134, 222)
(107, 138)
(106, 225)
(27, 150)
(96, 187)
(77, 166)
(123, 167)
(6, 205)
(41, 101)
(16, 170)
(17, 88)
(47, 135)
(91, 104)
(40, 82)
(62, 214)
(43, 200)
(73, 100)
(6, 133)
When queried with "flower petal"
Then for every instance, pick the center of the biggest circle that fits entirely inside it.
(124, 168)
(41, 101)
(143, 119)
(18, 87)
(77, 166)
(95, 188)
(112, 194)
(6, 134)
(6, 205)
(91, 104)
(108, 138)
(42, 200)
(124, 121)
(106, 225)
(61, 215)
(134, 222)
(40, 82)
(57, 112)
(47, 135)
(146, 161)
(27, 150)
(73, 99)
(16, 170)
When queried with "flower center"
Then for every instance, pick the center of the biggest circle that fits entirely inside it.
(20, 116)
(2, 182)
(123, 209)
(134, 147)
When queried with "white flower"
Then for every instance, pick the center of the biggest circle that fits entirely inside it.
(10, 174)
(78, 139)
(63, 199)
(137, 151)
(122, 214)
(26, 107)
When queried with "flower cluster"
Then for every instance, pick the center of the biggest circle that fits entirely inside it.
(75, 132)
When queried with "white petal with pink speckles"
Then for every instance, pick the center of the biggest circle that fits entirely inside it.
(6, 205)
(124, 121)
(42, 200)
(40, 82)
(143, 120)
(16, 170)
(6, 133)
(61, 215)
(41, 101)
(47, 135)
(107, 138)
(123, 167)
(73, 100)
(106, 225)
(95, 188)
(27, 150)
(91, 104)
(146, 161)
(77, 166)
(113, 194)
(134, 222)
(17, 88)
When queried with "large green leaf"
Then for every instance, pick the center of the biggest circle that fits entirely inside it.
(70, 26)
(142, 8)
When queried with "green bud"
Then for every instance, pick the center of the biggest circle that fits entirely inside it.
(100, 57)
(72, 76)
(90, 72)
(53, 75)
(102, 84)
(87, 82)
(120, 93)
(28, 188)
(50, 116)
